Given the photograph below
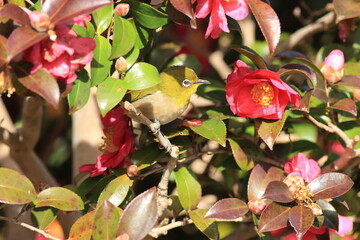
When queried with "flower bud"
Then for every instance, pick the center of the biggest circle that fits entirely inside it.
(40, 21)
(121, 65)
(257, 206)
(122, 9)
(132, 170)
(356, 94)
(333, 66)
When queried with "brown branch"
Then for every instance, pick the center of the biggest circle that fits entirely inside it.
(318, 124)
(156, 232)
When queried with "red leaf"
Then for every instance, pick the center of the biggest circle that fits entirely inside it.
(350, 80)
(139, 216)
(3, 53)
(63, 11)
(347, 105)
(21, 39)
(15, 13)
(278, 192)
(330, 185)
(274, 217)
(42, 83)
(185, 6)
(268, 21)
(301, 218)
(227, 209)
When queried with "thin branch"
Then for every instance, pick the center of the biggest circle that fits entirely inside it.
(318, 124)
(32, 228)
(348, 142)
(156, 232)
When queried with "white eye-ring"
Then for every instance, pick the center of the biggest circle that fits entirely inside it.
(186, 83)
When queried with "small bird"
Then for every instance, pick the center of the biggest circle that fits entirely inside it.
(167, 100)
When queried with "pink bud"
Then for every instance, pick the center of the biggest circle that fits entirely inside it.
(132, 170)
(40, 21)
(121, 65)
(333, 66)
(122, 9)
(257, 206)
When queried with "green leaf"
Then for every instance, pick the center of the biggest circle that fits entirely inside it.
(146, 15)
(124, 37)
(139, 216)
(206, 226)
(80, 92)
(240, 156)
(83, 227)
(213, 129)
(269, 130)
(131, 57)
(106, 221)
(187, 60)
(60, 198)
(116, 191)
(102, 18)
(42, 217)
(227, 209)
(189, 189)
(142, 35)
(162, 54)
(100, 65)
(80, 30)
(109, 93)
(15, 188)
(142, 75)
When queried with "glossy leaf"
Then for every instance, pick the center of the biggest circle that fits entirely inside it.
(227, 209)
(331, 219)
(42, 217)
(116, 191)
(21, 39)
(135, 223)
(273, 217)
(146, 15)
(269, 130)
(102, 18)
(64, 11)
(206, 226)
(16, 13)
(162, 54)
(124, 37)
(278, 192)
(15, 188)
(42, 83)
(240, 156)
(109, 93)
(330, 185)
(100, 65)
(83, 227)
(106, 221)
(185, 7)
(345, 9)
(213, 129)
(142, 35)
(350, 80)
(305, 102)
(142, 75)
(347, 105)
(189, 189)
(3, 50)
(80, 92)
(302, 74)
(301, 218)
(253, 56)
(268, 22)
(60, 198)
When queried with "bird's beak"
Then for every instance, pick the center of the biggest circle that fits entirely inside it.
(202, 81)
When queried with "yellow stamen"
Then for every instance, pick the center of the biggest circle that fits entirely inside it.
(262, 94)
(108, 146)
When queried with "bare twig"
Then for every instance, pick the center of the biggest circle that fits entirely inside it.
(156, 232)
(34, 229)
(318, 124)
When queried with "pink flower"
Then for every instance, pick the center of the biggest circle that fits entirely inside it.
(333, 66)
(236, 9)
(118, 144)
(63, 56)
(345, 226)
(258, 94)
(307, 168)
(80, 20)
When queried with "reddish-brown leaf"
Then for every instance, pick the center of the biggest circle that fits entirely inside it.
(274, 217)
(350, 80)
(301, 218)
(347, 105)
(305, 102)
(254, 56)
(278, 192)
(345, 9)
(227, 209)
(330, 185)
(42, 83)
(3, 51)
(21, 39)
(63, 11)
(185, 6)
(15, 13)
(268, 22)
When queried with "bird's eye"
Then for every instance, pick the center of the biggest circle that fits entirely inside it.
(186, 83)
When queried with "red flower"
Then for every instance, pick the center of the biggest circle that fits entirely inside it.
(63, 56)
(308, 168)
(236, 9)
(258, 94)
(118, 144)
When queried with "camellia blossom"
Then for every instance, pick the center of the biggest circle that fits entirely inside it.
(236, 9)
(63, 56)
(333, 66)
(258, 94)
(308, 168)
(118, 144)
